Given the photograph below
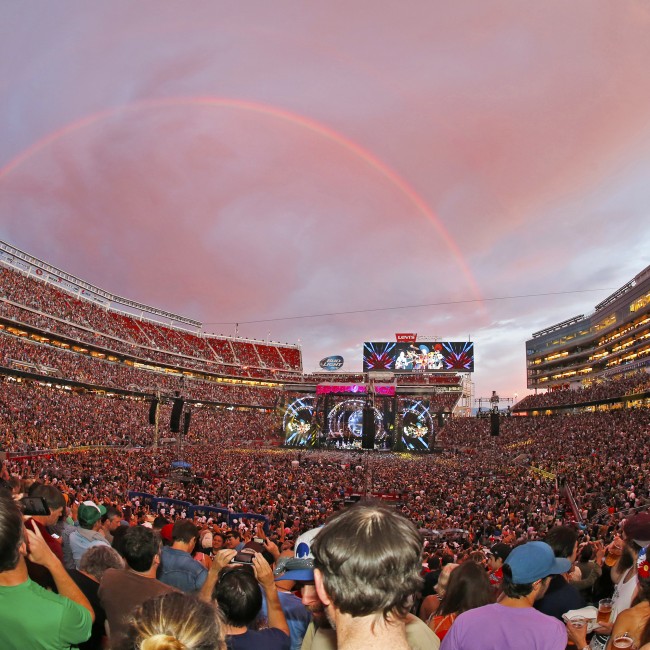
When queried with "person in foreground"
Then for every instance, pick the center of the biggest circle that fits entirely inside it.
(513, 623)
(236, 588)
(319, 634)
(174, 621)
(30, 616)
(633, 622)
(367, 562)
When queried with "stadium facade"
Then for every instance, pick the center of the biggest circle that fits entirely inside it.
(611, 342)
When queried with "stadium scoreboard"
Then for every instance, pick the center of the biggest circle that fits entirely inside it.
(438, 356)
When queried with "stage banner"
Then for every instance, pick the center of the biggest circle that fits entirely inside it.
(323, 389)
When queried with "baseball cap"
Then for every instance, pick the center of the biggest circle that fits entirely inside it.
(300, 567)
(500, 550)
(166, 532)
(89, 513)
(534, 560)
(637, 528)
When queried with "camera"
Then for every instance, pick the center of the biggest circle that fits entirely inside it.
(243, 557)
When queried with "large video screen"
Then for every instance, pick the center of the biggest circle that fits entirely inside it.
(434, 356)
(404, 425)
(416, 425)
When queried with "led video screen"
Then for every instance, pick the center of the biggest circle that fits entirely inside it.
(416, 426)
(406, 427)
(298, 422)
(435, 356)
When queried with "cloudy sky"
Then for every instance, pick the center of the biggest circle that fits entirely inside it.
(238, 162)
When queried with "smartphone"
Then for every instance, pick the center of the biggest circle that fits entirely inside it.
(34, 506)
(243, 558)
(258, 540)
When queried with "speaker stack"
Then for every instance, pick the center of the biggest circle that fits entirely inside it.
(368, 432)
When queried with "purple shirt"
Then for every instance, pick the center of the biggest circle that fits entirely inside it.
(497, 627)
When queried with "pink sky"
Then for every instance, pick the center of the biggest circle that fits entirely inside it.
(238, 162)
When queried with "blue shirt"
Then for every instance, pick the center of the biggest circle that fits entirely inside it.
(297, 615)
(81, 540)
(180, 570)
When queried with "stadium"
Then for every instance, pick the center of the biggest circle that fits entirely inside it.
(127, 405)
(325, 326)
(95, 372)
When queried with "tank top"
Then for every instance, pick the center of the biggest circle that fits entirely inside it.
(623, 594)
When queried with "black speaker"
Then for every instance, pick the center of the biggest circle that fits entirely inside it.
(494, 424)
(441, 420)
(175, 420)
(153, 411)
(368, 432)
(186, 422)
(326, 411)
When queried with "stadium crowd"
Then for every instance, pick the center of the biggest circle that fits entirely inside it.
(35, 417)
(33, 302)
(481, 490)
(49, 360)
(630, 384)
(480, 484)
(160, 579)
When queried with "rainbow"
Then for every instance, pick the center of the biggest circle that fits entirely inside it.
(281, 114)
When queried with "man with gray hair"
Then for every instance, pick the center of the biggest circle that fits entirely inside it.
(367, 564)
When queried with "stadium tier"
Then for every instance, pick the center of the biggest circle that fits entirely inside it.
(595, 358)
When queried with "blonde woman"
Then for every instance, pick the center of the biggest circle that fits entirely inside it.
(175, 621)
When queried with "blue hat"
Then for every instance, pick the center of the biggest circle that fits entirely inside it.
(533, 561)
(299, 568)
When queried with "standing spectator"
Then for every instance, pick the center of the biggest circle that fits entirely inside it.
(636, 535)
(319, 634)
(30, 616)
(633, 622)
(174, 621)
(238, 595)
(233, 540)
(561, 596)
(590, 570)
(367, 562)
(513, 623)
(88, 533)
(431, 604)
(56, 504)
(178, 568)
(111, 520)
(496, 556)
(468, 588)
(122, 590)
(94, 563)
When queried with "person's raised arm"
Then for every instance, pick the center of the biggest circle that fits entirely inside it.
(264, 575)
(219, 561)
(40, 553)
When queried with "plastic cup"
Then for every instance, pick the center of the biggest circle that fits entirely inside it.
(578, 622)
(613, 553)
(604, 610)
(623, 643)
